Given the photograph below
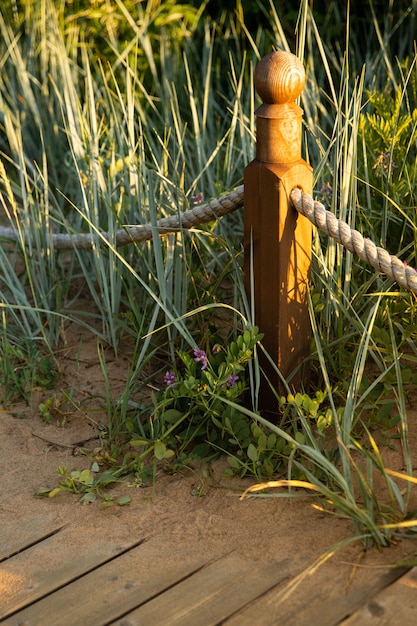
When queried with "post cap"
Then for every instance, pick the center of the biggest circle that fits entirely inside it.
(279, 77)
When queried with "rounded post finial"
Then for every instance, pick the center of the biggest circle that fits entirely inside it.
(279, 80)
(279, 77)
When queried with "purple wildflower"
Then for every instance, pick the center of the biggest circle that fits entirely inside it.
(326, 190)
(170, 379)
(383, 163)
(197, 199)
(200, 357)
(231, 381)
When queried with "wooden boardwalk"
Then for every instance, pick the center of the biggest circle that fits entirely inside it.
(115, 584)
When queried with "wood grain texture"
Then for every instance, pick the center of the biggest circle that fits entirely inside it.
(47, 566)
(277, 241)
(24, 536)
(278, 254)
(322, 599)
(211, 595)
(393, 606)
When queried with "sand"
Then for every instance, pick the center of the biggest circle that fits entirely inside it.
(197, 512)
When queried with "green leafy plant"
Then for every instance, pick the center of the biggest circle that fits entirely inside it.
(90, 484)
(189, 413)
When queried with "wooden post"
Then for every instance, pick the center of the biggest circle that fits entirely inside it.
(278, 239)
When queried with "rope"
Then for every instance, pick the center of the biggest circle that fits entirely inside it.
(314, 211)
(134, 234)
(351, 239)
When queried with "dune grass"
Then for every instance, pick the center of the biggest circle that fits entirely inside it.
(101, 129)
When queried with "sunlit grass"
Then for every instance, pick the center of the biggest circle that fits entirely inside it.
(98, 134)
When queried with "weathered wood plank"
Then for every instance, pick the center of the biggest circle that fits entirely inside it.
(49, 565)
(109, 591)
(211, 595)
(320, 600)
(397, 604)
(25, 535)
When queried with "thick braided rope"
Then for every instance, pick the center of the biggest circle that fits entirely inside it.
(133, 234)
(351, 239)
(314, 211)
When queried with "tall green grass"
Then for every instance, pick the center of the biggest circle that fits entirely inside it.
(102, 129)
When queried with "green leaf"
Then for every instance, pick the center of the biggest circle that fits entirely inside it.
(124, 500)
(43, 492)
(160, 450)
(247, 337)
(201, 450)
(252, 452)
(139, 442)
(299, 399)
(88, 497)
(268, 468)
(272, 440)
(299, 437)
(385, 411)
(85, 477)
(172, 415)
(313, 407)
(106, 478)
(55, 492)
(322, 424)
(234, 462)
(216, 422)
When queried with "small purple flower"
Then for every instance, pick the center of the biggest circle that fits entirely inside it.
(383, 163)
(170, 379)
(326, 190)
(197, 199)
(200, 357)
(231, 381)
